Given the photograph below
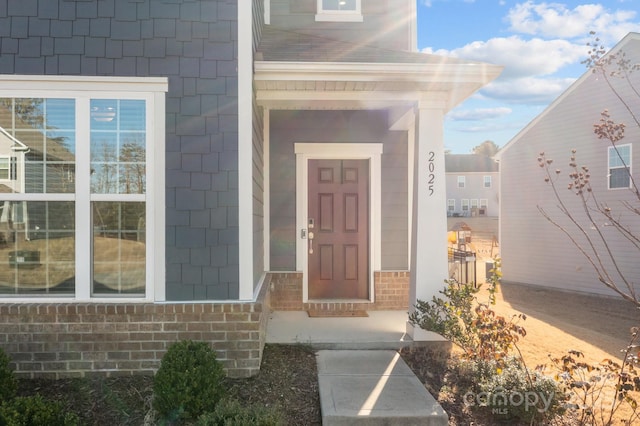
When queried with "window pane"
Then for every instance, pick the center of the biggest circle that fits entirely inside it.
(44, 144)
(339, 5)
(119, 248)
(619, 178)
(4, 169)
(37, 248)
(620, 157)
(118, 146)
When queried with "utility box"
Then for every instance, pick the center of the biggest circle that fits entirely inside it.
(28, 258)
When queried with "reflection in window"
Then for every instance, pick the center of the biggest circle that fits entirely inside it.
(37, 247)
(333, 5)
(118, 147)
(119, 248)
(39, 135)
(4, 167)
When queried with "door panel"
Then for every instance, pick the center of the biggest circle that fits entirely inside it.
(338, 256)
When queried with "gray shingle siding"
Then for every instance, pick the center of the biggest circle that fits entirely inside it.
(194, 44)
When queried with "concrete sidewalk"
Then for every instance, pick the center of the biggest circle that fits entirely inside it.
(373, 387)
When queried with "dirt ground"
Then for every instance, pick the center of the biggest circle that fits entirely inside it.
(557, 321)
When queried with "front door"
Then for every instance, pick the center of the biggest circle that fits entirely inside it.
(338, 229)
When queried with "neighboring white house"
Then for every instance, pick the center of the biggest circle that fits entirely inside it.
(472, 185)
(533, 250)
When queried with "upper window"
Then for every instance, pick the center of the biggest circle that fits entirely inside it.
(461, 181)
(620, 166)
(339, 10)
(79, 221)
(487, 181)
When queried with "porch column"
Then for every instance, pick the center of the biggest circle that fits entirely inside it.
(429, 218)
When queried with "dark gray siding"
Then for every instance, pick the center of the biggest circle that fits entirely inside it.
(194, 44)
(385, 22)
(289, 127)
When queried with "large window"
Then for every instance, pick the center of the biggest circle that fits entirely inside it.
(620, 166)
(79, 222)
(339, 10)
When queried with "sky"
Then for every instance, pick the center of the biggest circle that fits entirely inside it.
(540, 44)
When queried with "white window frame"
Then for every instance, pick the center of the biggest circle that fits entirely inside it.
(462, 181)
(451, 205)
(486, 183)
(83, 89)
(8, 168)
(333, 15)
(484, 203)
(611, 151)
(464, 205)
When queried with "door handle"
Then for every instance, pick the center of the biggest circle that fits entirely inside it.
(310, 242)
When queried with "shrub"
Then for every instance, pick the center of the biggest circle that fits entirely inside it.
(35, 411)
(8, 382)
(596, 392)
(188, 382)
(232, 413)
(471, 325)
(508, 391)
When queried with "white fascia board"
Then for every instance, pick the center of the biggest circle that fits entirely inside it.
(479, 73)
(80, 83)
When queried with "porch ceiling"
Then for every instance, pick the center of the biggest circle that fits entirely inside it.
(366, 86)
(300, 71)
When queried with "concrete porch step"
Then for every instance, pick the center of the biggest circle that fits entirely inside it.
(373, 387)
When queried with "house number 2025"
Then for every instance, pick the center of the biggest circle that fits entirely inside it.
(432, 176)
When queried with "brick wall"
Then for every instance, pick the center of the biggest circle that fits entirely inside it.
(391, 292)
(75, 340)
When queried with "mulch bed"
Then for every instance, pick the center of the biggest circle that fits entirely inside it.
(288, 379)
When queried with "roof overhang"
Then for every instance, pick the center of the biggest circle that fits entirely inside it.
(339, 85)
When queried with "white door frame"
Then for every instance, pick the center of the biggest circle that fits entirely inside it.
(340, 151)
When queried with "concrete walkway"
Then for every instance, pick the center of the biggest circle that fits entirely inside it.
(362, 378)
(380, 330)
(373, 387)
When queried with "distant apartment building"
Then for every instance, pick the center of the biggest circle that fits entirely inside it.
(472, 185)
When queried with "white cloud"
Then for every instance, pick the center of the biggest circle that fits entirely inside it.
(527, 90)
(556, 20)
(520, 57)
(525, 57)
(478, 114)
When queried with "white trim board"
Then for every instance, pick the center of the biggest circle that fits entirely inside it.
(342, 151)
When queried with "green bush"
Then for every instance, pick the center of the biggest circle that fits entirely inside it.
(188, 382)
(35, 411)
(232, 413)
(8, 382)
(506, 390)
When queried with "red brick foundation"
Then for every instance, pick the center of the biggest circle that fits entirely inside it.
(391, 293)
(76, 340)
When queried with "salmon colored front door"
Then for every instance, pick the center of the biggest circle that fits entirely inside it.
(338, 229)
